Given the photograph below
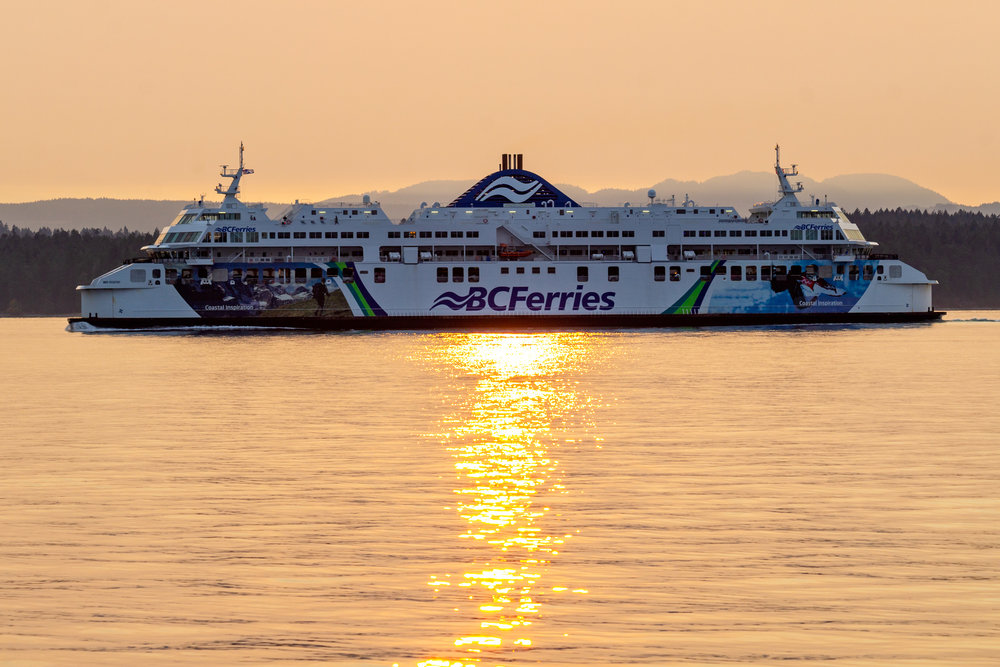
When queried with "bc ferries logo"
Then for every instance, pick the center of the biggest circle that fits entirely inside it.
(510, 189)
(503, 298)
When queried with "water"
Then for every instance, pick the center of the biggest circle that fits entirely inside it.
(749, 496)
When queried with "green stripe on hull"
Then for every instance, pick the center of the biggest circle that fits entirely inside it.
(693, 297)
(352, 287)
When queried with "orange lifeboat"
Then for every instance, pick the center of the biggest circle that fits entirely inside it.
(508, 253)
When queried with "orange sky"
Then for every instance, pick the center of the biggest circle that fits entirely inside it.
(144, 99)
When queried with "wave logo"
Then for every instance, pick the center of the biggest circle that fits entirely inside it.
(510, 189)
(454, 301)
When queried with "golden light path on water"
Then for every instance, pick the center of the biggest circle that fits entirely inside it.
(503, 447)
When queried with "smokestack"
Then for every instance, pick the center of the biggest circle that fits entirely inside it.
(520, 160)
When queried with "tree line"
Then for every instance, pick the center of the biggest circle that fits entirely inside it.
(39, 270)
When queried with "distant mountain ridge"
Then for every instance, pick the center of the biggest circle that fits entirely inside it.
(742, 190)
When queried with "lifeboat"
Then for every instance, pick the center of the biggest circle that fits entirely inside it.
(507, 252)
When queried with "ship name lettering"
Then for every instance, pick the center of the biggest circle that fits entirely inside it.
(504, 298)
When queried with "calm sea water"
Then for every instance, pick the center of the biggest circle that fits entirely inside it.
(752, 496)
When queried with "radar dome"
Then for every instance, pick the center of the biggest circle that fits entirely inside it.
(651, 194)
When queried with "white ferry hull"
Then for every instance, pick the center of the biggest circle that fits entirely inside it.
(636, 298)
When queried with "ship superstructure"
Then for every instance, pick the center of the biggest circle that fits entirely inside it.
(512, 250)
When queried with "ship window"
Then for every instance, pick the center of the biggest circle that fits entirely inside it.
(392, 235)
(659, 233)
(783, 232)
(895, 271)
(156, 273)
(472, 235)
(812, 234)
(659, 273)
(299, 235)
(520, 270)
(765, 232)
(538, 235)
(137, 275)
(796, 270)
(565, 234)
(331, 235)
(312, 235)
(612, 233)
(706, 271)
(581, 233)
(853, 273)
(300, 275)
(354, 212)
(253, 237)
(458, 274)
(695, 211)
(536, 269)
(765, 272)
(284, 235)
(456, 235)
(712, 211)
(826, 234)
(581, 274)
(735, 232)
(597, 234)
(425, 235)
(406, 235)
(314, 272)
(612, 274)
(752, 272)
(703, 233)
(880, 269)
(380, 274)
(628, 233)
(504, 270)
(681, 211)
(720, 232)
(868, 274)
(750, 232)
(473, 274)
(688, 233)
(735, 272)
(675, 273)
(442, 274)
(840, 235)
(840, 269)
(348, 274)
(347, 235)
(219, 237)
(440, 235)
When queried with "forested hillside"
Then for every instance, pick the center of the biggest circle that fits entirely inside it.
(39, 270)
(960, 250)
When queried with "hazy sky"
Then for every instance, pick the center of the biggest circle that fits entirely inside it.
(145, 99)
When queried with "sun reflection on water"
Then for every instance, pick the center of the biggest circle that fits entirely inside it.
(502, 442)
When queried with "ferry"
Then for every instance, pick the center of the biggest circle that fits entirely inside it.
(513, 251)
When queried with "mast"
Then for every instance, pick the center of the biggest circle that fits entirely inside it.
(233, 189)
(786, 188)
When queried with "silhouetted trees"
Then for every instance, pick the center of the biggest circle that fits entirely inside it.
(39, 270)
(960, 250)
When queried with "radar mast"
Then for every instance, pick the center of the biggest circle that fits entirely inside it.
(233, 189)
